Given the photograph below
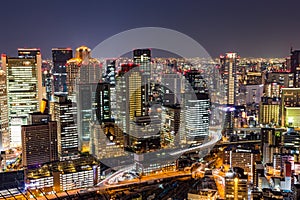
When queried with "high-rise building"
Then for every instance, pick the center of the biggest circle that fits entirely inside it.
(4, 132)
(110, 77)
(228, 70)
(24, 81)
(39, 141)
(83, 75)
(196, 108)
(60, 56)
(63, 112)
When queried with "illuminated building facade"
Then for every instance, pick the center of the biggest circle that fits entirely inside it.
(170, 125)
(290, 105)
(4, 131)
(229, 64)
(39, 141)
(196, 108)
(60, 56)
(67, 135)
(236, 187)
(83, 75)
(269, 111)
(24, 81)
(102, 100)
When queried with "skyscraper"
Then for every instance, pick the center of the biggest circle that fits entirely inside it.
(228, 69)
(83, 75)
(59, 73)
(24, 81)
(196, 107)
(228, 72)
(63, 112)
(4, 132)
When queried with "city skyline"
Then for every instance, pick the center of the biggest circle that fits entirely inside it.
(256, 29)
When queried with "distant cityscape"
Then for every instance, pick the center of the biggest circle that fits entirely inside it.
(78, 127)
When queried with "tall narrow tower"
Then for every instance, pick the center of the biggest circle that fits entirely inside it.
(4, 132)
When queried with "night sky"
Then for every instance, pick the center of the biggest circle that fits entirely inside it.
(258, 28)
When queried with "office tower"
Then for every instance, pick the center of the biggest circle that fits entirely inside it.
(228, 71)
(269, 111)
(290, 107)
(4, 132)
(83, 75)
(62, 112)
(39, 140)
(60, 56)
(121, 101)
(141, 129)
(236, 185)
(196, 108)
(142, 58)
(295, 66)
(24, 81)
